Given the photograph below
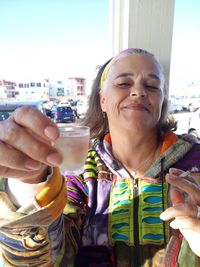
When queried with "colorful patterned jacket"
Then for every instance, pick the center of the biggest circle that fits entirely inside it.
(110, 220)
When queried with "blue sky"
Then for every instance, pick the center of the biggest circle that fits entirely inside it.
(53, 37)
(61, 38)
(186, 42)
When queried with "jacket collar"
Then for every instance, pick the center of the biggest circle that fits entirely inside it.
(173, 148)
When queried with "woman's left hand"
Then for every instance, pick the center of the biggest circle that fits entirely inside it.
(185, 210)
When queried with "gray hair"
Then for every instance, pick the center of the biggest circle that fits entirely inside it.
(95, 118)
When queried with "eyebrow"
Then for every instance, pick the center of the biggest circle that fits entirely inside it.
(154, 76)
(126, 74)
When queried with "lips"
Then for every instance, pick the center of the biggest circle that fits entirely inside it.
(136, 106)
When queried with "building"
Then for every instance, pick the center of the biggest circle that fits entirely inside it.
(73, 86)
(79, 85)
(8, 89)
(33, 89)
(56, 88)
(3, 90)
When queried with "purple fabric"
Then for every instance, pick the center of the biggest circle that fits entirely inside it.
(95, 230)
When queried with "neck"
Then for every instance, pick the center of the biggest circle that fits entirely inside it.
(136, 152)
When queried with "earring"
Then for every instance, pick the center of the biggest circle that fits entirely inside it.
(104, 114)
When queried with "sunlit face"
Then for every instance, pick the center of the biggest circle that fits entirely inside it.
(133, 93)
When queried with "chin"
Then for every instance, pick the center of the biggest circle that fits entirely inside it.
(136, 127)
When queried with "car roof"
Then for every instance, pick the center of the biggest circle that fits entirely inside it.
(62, 106)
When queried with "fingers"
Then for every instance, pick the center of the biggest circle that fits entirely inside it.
(12, 158)
(25, 145)
(186, 223)
(39, 123)
(184, 215)
(176, 196)
(23, 141)
(31, 176)
(186, 185)
(185, 196)
(175, 171)
(24, 148)
(20, 146)
(183, 210)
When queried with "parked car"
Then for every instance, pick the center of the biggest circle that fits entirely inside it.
(64, 102)
(189, 102)
(72, 102)
(47, 112)
(7, 108)
(81, 108)
(5, 111)
(194, 123)
(174, 107)
(63, 114)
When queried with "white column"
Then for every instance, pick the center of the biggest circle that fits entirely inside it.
(146, 24)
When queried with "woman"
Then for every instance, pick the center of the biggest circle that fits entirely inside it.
(138, 176)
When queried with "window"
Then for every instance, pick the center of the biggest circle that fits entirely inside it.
(21, 85)
(26, 85)
(32, 84)
(60, 91)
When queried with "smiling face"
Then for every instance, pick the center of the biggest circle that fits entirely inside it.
(133, 93)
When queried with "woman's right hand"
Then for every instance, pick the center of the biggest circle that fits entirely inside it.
(25, 145)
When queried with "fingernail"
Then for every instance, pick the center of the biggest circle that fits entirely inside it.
(173, 225)
(170, 176)
(162, 216)
(184, 174)
(51, 132)
(54, 159)
(32, 164)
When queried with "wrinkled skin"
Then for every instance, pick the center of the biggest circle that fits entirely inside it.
(25, 145)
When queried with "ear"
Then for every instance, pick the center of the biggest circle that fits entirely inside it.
(102, 100)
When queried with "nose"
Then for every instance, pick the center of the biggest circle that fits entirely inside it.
(138, 90)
